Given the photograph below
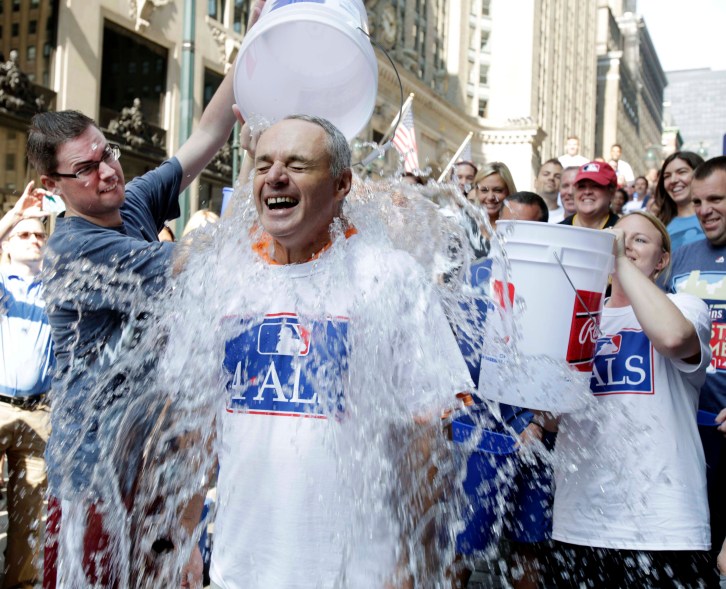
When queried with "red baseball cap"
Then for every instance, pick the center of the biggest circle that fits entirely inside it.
(599, 172)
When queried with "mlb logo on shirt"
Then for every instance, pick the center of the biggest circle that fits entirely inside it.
(280, 368)
(283, 336)
(623, 365)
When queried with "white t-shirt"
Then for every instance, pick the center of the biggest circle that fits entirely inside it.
(569, 161)
(303, 490)
(631, 475)
(556, 215)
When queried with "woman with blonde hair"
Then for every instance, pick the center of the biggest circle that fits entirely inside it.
(630, 505)
(492, 184)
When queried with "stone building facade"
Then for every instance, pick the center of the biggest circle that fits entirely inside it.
(521, 76)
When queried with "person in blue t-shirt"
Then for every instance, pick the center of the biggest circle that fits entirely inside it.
(104, 263)
(26, 362)
(699, 268)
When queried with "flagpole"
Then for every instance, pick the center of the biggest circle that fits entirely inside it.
(462, 147)
(385, 143)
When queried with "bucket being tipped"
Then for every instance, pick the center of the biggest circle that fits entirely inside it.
(558, 279)
(309, 57)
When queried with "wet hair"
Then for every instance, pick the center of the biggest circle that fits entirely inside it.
(708, 167)
(48, 130)
(531, 198)
(668, 207)
(337, 145)
(497, 168)
(664, 235)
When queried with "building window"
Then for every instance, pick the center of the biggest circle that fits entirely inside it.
(46, 50)
(472, 38)
(16, 5)
(31, 52)
(486, 7)
(484, 41)
(15, 30)
(241, 15)
(10, 162)
(215, 9)
(34, 3)
(32, 27)
(483, 75)
(483, 107)
(212, 80)
(123, 76)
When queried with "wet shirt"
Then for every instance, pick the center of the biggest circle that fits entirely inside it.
(26, 350)
(98, 280)
(700, 269)
(311, 388)
(630, 473)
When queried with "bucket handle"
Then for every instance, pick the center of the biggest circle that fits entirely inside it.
(577, 294)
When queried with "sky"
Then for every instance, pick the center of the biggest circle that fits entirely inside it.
(687, 34)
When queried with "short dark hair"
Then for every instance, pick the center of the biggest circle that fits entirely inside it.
(47, 131)
(617, 145)
(530, 198)
(467, 163)
(708, 167)
(553, 160)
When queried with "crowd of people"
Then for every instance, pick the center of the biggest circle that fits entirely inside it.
(634, 500)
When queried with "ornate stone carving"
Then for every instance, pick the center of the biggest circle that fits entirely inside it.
(131, 126)
(222, 162)
(227, 42)
(140, 11)
(16, 89)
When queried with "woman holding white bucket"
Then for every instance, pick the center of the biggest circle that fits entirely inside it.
(630, 504)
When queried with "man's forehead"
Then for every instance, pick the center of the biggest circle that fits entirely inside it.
(85, 145)
(291, 135)
(711, 185)
(28, 225)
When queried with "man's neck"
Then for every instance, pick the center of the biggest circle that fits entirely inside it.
(551, 199)
(592, 221)
(26, 270)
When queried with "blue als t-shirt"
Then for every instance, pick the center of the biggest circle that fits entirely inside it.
(98, 280)
(26, 355)
(700, 269)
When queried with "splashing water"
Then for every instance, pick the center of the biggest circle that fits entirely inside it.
(164, 388)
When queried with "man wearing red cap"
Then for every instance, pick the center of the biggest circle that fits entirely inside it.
(595, 185)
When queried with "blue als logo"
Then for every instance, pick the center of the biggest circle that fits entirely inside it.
(623, 365)
(284, 368)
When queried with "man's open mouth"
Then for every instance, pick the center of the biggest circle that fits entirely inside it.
(280, 202)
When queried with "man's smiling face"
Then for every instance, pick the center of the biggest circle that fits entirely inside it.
(295, 194)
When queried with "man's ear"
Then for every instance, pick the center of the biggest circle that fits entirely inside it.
(343, 184)
(49, 183)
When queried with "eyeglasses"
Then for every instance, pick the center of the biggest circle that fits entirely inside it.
(110, 154)
(28, 234)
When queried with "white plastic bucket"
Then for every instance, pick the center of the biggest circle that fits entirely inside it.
(309, 57)
(558, 328)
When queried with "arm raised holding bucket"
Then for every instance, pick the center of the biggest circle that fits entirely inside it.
(630, 475)
(636, 267)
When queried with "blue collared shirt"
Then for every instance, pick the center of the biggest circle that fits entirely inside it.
(26, 349)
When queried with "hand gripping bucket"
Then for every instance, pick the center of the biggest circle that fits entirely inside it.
(487, 483)
(309, 57)
(559, 273)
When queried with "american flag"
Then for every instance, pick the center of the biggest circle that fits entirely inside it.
(405, 141)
